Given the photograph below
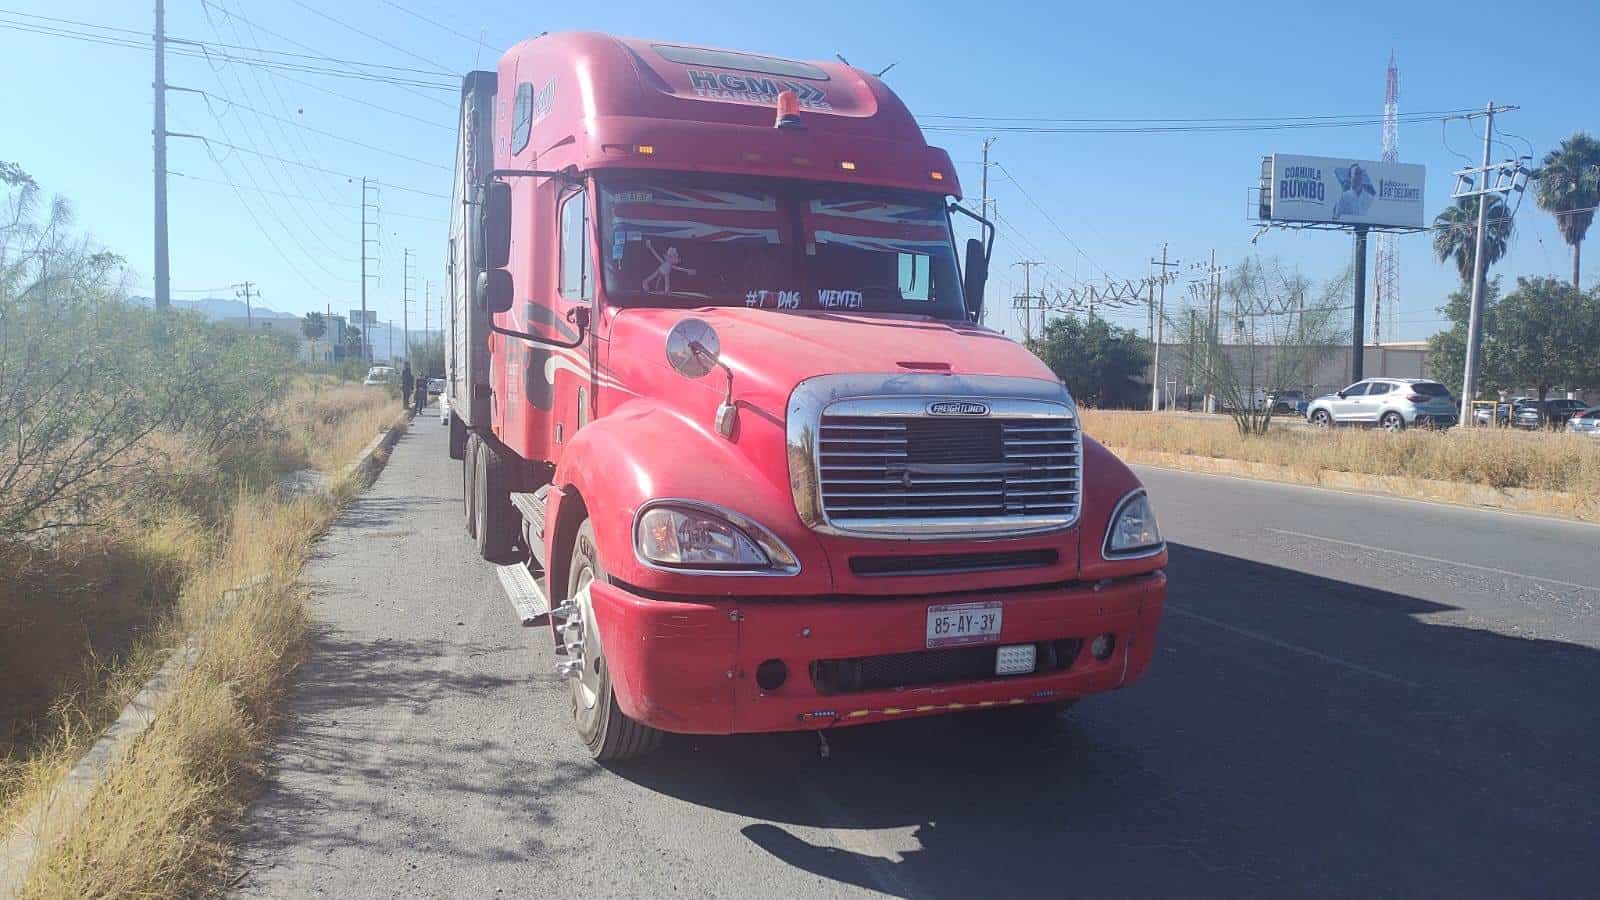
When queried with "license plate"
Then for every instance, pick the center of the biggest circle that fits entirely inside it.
(954, 624)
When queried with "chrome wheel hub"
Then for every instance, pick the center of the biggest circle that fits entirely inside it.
(582, 640)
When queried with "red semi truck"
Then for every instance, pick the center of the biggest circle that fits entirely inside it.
(717, 381)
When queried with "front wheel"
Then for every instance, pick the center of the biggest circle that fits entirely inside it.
(1393, 421)
(1321, 419)
(605, 729)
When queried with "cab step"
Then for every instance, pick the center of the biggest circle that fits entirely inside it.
(531, 506)
(526, 595)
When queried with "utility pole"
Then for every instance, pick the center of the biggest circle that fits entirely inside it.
(163, 272)
(1027, 296)
(244, 289)
(405, 302)
(1469, 383)
(983, 207)
(426, 302)
(391, 342)
(1159, 318)
(366, 345)
(1358, 338)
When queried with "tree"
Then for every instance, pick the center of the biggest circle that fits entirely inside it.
(1099, 363)
(1282, 326)
(354, 343)
(1546, 334)
(1456, 230)
(1569, 189)
(313, 326)
(1447, 350)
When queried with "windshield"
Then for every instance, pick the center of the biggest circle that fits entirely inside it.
(674, 240)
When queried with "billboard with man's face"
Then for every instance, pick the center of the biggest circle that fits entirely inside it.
(1342, 191)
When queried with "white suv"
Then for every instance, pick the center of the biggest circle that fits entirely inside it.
(1393, 403)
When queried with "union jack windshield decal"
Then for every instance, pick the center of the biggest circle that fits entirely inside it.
(716, 216)
(878, 226)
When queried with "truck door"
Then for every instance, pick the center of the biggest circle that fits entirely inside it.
(568, 370)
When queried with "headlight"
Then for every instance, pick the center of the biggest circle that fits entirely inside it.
(1133, 529)
(686, 535)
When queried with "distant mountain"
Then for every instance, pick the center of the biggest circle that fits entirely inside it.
(215, 308)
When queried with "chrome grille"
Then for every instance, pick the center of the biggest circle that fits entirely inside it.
(997, 473)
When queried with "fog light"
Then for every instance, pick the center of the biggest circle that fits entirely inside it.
(771, 674)
(1102, 646)
(1018, 659)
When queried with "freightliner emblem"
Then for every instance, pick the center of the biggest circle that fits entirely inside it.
(958, 408)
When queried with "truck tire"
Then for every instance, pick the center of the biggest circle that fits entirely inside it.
(493, 516)
(602, 725)
(469, 470)
(458, 437)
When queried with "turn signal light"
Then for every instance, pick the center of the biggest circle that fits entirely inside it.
(645, 150)
(848, 166)
(936, 176)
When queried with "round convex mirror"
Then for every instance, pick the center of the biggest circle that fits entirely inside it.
(693, 348)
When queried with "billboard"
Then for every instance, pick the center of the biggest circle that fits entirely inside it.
(1341, 191)
(370, 322)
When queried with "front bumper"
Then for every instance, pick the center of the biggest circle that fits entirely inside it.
(690, 666)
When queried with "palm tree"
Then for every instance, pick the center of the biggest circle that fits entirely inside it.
(1455, 232)
(1569, 189)
(313, 327)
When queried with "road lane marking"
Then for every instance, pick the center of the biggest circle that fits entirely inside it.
(1434, 559)
(1293, 648)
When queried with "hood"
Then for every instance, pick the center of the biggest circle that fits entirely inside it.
(770, 351)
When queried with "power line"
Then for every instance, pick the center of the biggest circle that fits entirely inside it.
(1050, 219)
(978, 125)
(466, 37)
(200, 178)
(347, 175)
(346, 97)
(329, 134)
(444, 70)
(1196, 120)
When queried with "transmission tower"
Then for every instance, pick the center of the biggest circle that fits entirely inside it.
(1386, 274)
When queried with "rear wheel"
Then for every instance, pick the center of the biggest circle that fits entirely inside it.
(493, 515)
(1393, 421)
(469, 489)
(1321, 419)
(605, 729)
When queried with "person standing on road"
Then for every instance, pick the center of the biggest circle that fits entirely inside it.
(421, 395)
(407, 382)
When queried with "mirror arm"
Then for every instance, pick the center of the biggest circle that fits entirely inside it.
(988, 227)
(582, 321)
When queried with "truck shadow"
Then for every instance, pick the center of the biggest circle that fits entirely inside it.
(1297, 734)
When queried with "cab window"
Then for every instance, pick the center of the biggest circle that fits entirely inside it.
(574, 240)
(1379, 387)
(1359, 389)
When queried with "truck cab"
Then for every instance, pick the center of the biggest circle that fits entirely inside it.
(717, 383)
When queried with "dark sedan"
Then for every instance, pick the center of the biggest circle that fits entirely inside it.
(1555, 413)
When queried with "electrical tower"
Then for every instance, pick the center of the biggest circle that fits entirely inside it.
(1386, 274)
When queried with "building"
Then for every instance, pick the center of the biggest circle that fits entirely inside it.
(1323, 370)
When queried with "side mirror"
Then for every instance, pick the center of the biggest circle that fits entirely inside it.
(1339, 394)
(497, 224)
(494, 290)
(976, 272)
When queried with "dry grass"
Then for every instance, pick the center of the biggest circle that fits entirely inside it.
(155, 828)
(84, 622)
(1512, 462)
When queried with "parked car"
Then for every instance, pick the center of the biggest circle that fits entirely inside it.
(380, 375)
(1585, 421)
(1556, 413)
(1391, 403)
(1289, 402)
(435, 386)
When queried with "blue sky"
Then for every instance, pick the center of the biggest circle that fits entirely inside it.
(78, 119)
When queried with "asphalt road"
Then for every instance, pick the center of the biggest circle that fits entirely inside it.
(1352, 696)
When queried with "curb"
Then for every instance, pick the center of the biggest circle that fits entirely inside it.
(52, 817)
